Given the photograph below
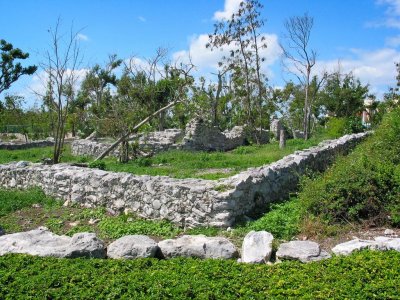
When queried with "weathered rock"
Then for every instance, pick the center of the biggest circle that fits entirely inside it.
(379, 243)
(257, 247)
(356, 245)
(389, 243)
(22, 164)
(85, 244)
(304, 251)
(198, 246)
(132, 246)
(42, 242)
(389, 232)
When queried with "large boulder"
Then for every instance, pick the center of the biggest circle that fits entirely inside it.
(42, 242)
(198, 246)
(132, 246)
(85, 245)
(304, 251)
(257, 247)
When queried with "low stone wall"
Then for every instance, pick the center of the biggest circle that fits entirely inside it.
(91, 148)
(189, 202)
(198, 136)
(18, 146)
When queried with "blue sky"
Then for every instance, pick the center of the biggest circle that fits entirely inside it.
(364, 35)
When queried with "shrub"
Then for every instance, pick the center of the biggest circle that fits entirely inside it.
(98, 164)
(363, 185)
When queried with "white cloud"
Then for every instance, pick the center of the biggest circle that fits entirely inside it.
(230, 7)
(376, 68)
(38, 83)
(142, 19)
(392, 15)
(82, 37)
(393, 41)
(206, 61)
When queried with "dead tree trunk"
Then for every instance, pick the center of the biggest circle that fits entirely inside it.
(133, 130)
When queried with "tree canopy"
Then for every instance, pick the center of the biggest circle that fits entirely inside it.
(11, 70)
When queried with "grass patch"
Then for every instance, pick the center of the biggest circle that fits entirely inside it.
(176, 163)
(13, 200)
(37, 154)
(363, 275)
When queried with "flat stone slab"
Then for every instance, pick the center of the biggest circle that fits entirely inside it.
(389, 243)
(41, 242)
(354, 245)
(198, 246)
(132, 246)
(304, 251)
(379, 243)
(257, 247)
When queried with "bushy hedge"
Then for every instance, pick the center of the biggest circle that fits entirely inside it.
(363, 185)
(364, 275)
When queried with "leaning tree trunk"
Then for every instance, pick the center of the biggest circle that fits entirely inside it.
(133, 130)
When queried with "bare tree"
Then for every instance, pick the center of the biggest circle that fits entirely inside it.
(62, 61)
(296, 50)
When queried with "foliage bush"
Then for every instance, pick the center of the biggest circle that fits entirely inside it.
(98, 164)
(282, 220)
(363, 275)
(337, 127)
(365, 184)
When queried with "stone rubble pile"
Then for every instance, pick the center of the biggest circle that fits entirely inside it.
(198, 136)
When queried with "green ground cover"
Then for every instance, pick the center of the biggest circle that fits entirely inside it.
(363, 275)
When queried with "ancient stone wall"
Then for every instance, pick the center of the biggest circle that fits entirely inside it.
(198, 136)
(189, 202)
(18, 146)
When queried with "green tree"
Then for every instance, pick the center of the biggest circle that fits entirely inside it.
(11, 71)
(241, 35)
(343, 95)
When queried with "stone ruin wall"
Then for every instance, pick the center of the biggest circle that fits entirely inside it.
(198, 136)
(19, 145)
(187, 202)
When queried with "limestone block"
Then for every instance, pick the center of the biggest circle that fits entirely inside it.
(42, 242)
(132, 246)
(198, 246)
(257, 247)
(304, 251)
